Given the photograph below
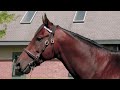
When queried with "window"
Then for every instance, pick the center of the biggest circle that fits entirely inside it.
(79, 17)
(28, 17)
(113, 47)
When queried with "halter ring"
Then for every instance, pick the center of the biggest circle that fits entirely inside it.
(46, 42)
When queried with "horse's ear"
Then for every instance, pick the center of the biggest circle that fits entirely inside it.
(45, 20)
(45, 16)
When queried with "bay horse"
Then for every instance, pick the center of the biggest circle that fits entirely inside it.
(82, 57)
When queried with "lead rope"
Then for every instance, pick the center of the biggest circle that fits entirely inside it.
(30, 73)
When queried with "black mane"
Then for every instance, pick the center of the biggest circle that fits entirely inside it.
(88, 40)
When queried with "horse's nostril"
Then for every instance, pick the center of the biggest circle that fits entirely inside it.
(18, 64)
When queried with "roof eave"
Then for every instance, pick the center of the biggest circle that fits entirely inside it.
(14, 42)
(27, 42)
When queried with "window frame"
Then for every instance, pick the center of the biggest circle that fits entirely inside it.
(79, 21)
(21, 22)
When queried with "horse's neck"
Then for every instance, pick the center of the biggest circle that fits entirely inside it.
(78, 57)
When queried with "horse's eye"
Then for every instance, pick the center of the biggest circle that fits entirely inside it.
(38, 38)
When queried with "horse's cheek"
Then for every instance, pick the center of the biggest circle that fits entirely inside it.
(48, 53)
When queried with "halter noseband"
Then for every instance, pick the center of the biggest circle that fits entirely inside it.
(38, 58)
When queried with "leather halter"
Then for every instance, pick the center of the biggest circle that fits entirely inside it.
(38, 58)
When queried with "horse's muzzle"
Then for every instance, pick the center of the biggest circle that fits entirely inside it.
(18, 72)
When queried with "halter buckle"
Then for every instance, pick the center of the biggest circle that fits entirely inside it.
(52, 41)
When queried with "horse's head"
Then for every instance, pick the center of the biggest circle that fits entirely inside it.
(41, 48)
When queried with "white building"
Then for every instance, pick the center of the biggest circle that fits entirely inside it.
(100, 26)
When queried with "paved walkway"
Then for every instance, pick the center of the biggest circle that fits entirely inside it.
(47, 70)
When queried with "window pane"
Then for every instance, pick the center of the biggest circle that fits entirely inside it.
(79, 16)
(113, 47)
(27, 18)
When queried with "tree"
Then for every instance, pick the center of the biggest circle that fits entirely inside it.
(5, 18)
